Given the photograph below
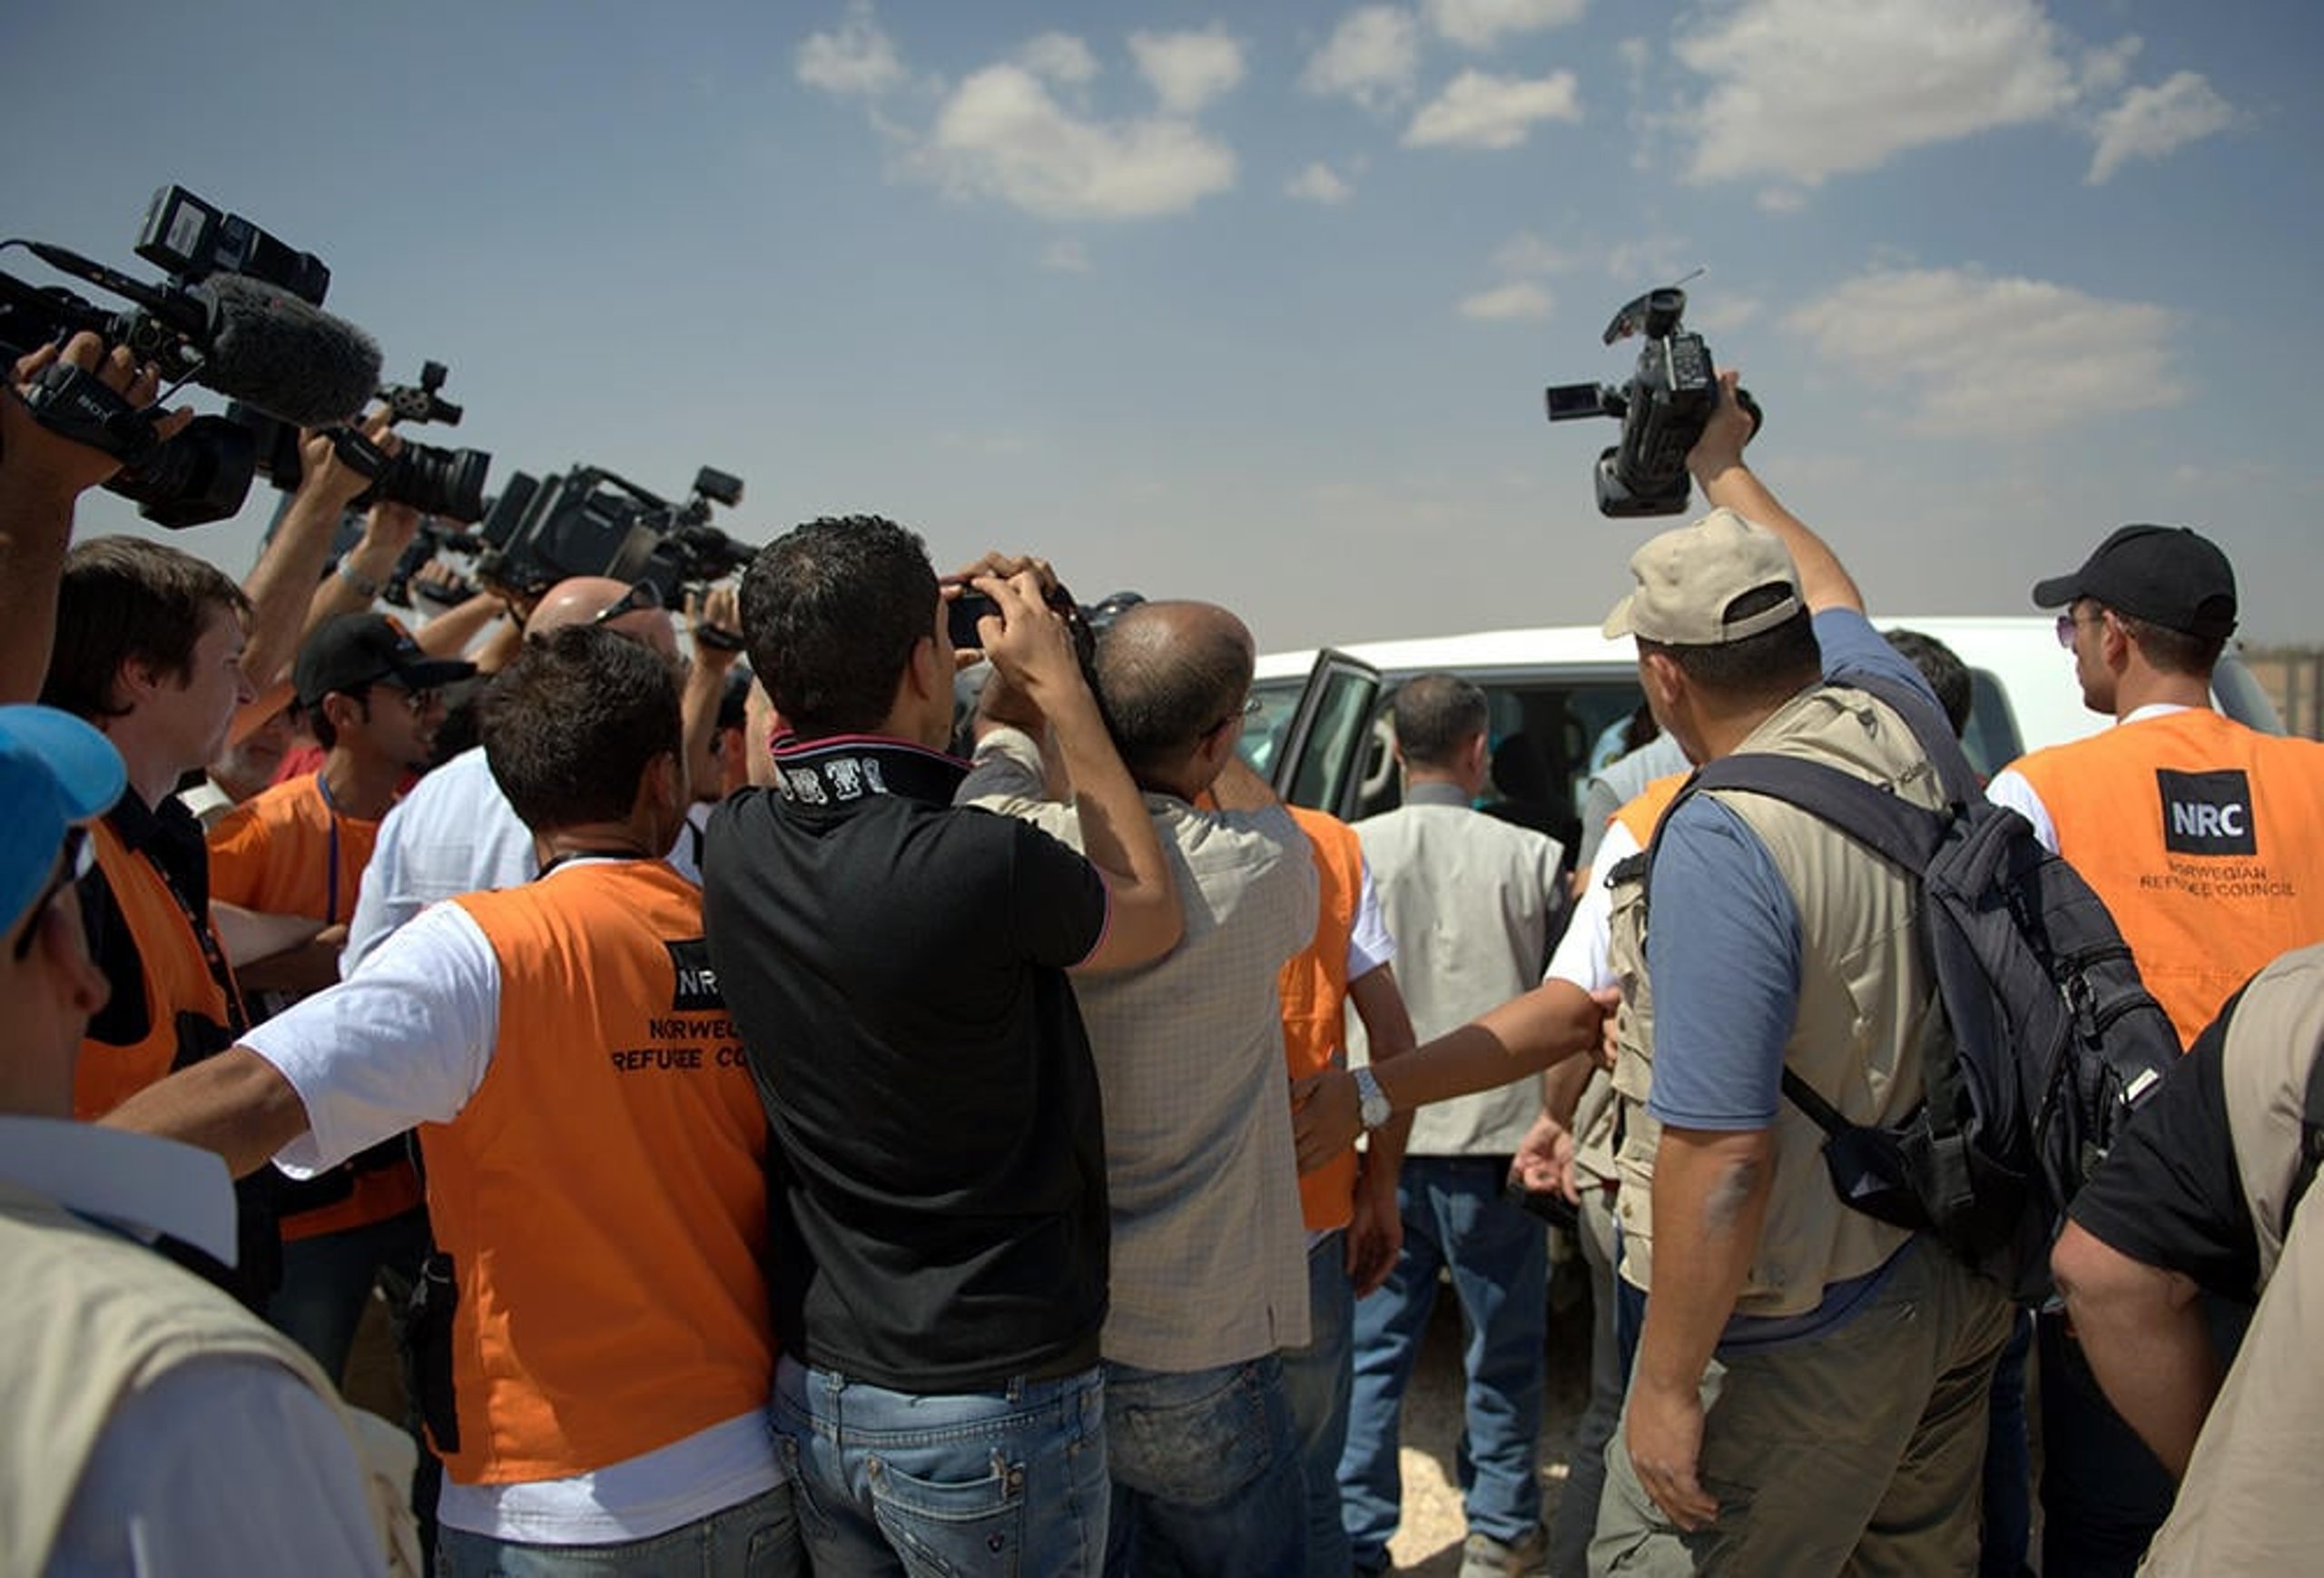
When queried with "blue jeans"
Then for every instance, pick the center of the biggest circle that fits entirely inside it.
(1205, 1471)
(758, 1538)
(1002, 1482)
(327, 1282)
(1317, 1379)
(1454, 1216)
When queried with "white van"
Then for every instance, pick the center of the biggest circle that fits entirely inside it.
(1561, 697)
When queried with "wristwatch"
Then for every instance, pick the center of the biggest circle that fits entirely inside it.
(1371, 1100)
(364, 587)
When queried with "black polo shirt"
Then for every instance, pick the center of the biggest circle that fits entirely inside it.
(896, 967)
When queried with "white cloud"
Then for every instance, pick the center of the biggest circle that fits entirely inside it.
(1187, 70)
(1526, 253)
(1059, 57)
(2151, 122)
(1781, 200)
(1371, 57)
(1993, 357)
(1520, 299)
(1477, 110)
(1002, 134)
(1319, 182)
(1723, 313)
(1480, 23)
(1804, 89)
(856, 59)
(1065, 256)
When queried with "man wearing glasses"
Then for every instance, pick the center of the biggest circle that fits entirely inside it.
(141, 1404)
(300, 848)
(2206, 840)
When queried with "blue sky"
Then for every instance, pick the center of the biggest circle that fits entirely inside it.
(1256, 303)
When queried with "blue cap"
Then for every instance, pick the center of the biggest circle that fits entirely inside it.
(55, 771)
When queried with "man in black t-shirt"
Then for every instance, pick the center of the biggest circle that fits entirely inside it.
(896, 969)
(2205, 1204)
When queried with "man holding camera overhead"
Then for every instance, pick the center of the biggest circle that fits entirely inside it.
(1809, 1391)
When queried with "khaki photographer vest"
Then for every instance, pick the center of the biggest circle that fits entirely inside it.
(1867, 1014)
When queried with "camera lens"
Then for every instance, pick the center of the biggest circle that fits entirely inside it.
(446, 483)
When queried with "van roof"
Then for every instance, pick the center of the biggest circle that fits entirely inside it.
(2020, 650)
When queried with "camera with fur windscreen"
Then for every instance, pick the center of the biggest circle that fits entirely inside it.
(240, 313)
(591, 521)
(1663, 409)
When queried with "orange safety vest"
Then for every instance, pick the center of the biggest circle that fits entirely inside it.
(1642, 813)
(287, 851)
(2206, 840)
(187, 1013)
(602, 1197)
(1314, 987)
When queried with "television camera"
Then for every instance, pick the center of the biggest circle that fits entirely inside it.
(1664, 409)
(239, 313)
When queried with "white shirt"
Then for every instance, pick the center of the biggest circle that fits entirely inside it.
(1583, 954)
(222, 1464)
(2010, 788)
(455, 832)
(407, 1039)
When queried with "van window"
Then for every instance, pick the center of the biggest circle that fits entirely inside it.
(1544, 737)
(1991, 741)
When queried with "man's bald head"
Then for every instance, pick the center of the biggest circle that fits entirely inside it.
(1168, 675)
(583, 599)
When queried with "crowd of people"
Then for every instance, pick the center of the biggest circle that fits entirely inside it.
(800, 1129)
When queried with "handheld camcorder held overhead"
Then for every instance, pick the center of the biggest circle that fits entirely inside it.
(592, 522)
(240, 313)
(1664, 409)
(448, 484)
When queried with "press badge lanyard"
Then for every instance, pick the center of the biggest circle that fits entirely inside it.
(330, 866)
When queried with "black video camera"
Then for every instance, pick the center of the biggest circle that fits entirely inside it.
(237, 314)
(592, 522)
(1664, 409)
(445, 483)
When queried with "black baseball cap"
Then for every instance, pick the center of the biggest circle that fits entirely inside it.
(355, 650)
(2165, 575)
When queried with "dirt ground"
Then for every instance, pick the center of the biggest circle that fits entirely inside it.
(1428, 1542)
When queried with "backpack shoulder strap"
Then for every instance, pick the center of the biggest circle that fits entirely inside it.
(1930, 729)
(1895, 829)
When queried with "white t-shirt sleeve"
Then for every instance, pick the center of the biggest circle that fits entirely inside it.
(1369, 946)
(2010, 788)
(1581, 956)
(406, 1040)
(221, 1465)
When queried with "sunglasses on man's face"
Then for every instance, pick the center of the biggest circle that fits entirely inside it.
(72, 863)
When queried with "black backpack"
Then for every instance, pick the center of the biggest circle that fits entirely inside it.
(2056, 1038)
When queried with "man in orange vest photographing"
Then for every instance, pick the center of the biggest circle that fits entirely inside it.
(2206, 840)
(594, 1354)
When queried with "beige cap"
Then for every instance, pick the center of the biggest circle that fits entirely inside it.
(1689, 577)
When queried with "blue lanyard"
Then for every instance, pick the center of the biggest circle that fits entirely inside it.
(330, 878)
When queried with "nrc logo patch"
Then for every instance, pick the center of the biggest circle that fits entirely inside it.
(2207, 812)
(697, 982)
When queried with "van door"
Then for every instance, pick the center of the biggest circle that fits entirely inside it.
(1315, 754)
